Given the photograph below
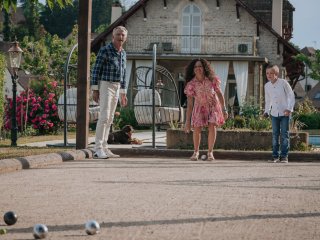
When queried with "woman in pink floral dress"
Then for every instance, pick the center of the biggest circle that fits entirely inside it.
(205, 102)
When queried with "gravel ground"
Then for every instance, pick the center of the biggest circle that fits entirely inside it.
(165, 198)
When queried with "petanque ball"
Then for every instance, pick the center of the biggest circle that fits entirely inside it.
(92, 227)
(203, 157)
(40, 231)
(10, 218)
(3, 231)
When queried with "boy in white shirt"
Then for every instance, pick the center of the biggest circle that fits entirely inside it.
(279, 103)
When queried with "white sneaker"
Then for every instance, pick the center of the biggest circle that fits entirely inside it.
(100, 154)
(111, 154)
(274, 160)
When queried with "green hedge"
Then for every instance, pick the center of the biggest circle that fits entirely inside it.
(310, 120)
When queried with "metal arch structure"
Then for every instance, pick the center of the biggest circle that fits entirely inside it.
(66, 82)
(69, 98)
(156, 97)
(165, 72)
(67, 64)
(68, 103)
(144, 73)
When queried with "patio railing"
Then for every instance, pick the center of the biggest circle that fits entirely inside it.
(195, 44)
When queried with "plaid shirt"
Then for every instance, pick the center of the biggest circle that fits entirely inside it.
(107, 67)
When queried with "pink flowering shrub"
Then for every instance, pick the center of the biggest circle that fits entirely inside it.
(37, 107)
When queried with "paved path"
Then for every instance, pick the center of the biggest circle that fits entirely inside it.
(165, 198)
(145, 136)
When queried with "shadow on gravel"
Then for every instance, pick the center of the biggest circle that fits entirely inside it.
(58, 228)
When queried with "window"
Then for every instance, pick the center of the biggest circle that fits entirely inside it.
(191, 29)
(317, 96)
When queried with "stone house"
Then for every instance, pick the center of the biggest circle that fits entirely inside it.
(238, 37)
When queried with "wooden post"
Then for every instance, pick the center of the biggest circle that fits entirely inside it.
(84, 43)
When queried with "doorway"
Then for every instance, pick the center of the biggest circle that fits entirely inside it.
(232, 98)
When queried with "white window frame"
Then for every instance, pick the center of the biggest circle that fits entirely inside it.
(191, 39)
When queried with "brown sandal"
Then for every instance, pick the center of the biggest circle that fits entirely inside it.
(210, 156)
(194, 156)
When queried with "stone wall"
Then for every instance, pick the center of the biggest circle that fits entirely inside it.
(233, 139)
(219, 22)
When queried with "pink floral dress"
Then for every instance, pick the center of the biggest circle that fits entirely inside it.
(207, 107)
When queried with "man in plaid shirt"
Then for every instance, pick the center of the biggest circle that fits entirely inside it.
(107, 81)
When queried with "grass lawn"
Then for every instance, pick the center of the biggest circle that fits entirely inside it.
(6, 151)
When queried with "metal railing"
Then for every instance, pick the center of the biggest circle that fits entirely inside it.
(195, 44)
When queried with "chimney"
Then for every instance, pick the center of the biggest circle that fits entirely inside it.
(116, 11)
(277, 7)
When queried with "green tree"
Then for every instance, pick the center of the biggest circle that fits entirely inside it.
(36, 56)
(313, 62)
(7, 26)
(12, 4)
(60, 21)
(101, 13)
(101, 28)
(31, 11)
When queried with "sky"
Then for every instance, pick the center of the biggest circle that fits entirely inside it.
(306, 23)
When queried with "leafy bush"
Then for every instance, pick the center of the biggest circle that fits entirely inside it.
(229, 124)
(250, 109)
(306, 116)
(127, 117)
(301, 146)
(311, 120)
(259, 124)
(305, 107)
(297, 145)
(36, 108)
(239, 122)
(117, 121)
(253, 123)
(122, 117)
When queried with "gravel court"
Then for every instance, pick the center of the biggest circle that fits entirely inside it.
(158, 198)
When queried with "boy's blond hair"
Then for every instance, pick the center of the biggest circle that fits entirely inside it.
(275, 69)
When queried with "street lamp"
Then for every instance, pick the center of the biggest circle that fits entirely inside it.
(15, 53)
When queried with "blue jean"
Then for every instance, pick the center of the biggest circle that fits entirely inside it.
(280, 127)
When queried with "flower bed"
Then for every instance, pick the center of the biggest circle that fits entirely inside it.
(235, 139)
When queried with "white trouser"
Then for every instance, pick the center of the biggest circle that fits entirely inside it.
(108, 94)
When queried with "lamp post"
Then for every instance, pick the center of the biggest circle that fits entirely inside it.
(15, 54)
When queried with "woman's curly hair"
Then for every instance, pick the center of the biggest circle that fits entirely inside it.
(208, 70)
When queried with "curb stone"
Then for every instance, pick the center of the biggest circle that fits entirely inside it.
(42, 160)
